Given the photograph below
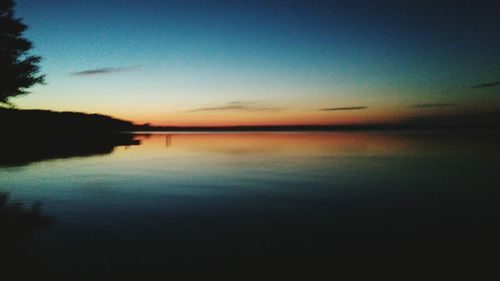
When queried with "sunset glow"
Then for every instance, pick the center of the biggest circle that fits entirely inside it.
(261, 63)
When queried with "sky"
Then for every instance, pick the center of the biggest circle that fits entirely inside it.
(216, 63)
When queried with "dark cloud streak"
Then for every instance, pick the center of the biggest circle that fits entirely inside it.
(486, 85)
(430, 105)
(104, 70)
(343, 108)
(238, 106)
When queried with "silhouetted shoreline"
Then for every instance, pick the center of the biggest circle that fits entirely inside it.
(35, 135)
(19, 150)
(465, 122)
(76, 123)
(19, 121)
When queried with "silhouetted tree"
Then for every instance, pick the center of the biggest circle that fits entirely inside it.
(18, 70)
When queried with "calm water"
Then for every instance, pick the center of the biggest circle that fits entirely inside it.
(316, 205)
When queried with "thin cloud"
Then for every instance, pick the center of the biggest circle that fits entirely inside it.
(104, 70)
(486, 85)
(429, 105)
(238, 106)
(343, 108)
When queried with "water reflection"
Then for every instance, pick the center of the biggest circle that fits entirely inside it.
(168, 140)
(339, 144)
(411, 206)
(17, 150)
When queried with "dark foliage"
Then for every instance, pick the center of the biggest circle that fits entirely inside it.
(18, 70)
(34, 135)
(44, 121)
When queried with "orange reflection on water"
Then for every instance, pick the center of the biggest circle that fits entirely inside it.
(297, 144)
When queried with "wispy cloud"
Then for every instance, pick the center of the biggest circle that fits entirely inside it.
(238, 106)
(429, 105)
(104, 70)
(343, 108)
(486, 85)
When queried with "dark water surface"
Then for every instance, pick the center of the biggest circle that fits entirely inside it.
(266, 206)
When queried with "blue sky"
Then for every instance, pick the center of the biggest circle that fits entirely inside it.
(160, 61)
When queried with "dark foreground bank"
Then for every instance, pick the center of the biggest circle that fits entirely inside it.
(19, 121)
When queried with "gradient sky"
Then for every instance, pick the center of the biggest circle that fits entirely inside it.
(265, 62)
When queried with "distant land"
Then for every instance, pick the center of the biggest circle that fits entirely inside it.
(466, 121)
(31, 121)
(29, 136)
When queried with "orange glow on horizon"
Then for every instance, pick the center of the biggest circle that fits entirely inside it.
(266, 119)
